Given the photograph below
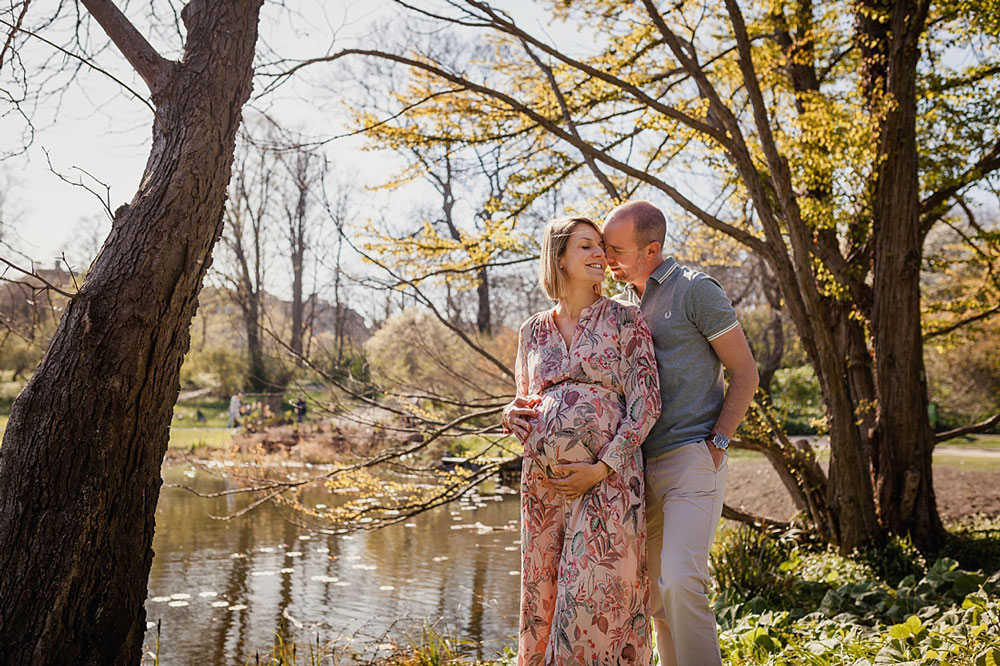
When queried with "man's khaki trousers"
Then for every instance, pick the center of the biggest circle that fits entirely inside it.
(684, 494)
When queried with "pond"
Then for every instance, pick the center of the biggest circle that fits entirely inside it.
(222, 589)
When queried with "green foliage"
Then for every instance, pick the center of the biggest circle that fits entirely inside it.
(798, 400)
(748, 563)
(432, 648)
(832, 611)
(223, 368)
(893, 561)
(975, 542)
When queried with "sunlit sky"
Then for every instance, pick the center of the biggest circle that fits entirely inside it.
(99, 133)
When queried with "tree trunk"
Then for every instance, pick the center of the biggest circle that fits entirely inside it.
(81, 456)
(483, 317)
(298, 243)
(850, 497)
(903, 441)
(257, 369)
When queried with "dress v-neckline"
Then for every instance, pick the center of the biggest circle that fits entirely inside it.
(568, 346)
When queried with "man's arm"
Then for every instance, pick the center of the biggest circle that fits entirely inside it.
(734, 352)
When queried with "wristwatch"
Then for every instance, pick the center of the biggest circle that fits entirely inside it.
(718, 440)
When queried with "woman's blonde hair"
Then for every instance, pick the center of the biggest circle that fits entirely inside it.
(555, 238)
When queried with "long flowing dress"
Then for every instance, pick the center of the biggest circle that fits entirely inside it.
(584, 586)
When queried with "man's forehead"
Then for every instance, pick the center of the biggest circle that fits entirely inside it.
(619, 225)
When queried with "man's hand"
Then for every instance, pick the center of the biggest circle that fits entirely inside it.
(574, 479)
(717, 454)
(518, 418)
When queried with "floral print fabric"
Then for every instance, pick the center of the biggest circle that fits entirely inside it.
(584, 587)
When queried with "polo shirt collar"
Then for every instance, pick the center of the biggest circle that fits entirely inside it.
(664, 270)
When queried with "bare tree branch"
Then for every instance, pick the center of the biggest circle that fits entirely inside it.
(740, 235)
(35, 275)
(83, 61)
(982, 426)
(932, 207)
(754, 521)
(965, 321)
(150, 65)
(609, 187)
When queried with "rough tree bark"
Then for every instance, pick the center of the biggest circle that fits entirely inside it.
(903, 441)
(81, 456)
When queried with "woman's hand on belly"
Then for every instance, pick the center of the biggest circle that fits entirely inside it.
(574, 479)
(519, 417)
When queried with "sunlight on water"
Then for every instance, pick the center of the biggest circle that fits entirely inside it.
(221, 590)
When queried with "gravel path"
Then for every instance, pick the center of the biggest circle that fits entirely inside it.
(754, 487)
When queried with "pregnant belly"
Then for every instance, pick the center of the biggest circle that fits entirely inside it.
(575, 421)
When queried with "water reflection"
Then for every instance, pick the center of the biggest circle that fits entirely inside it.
(248, 577)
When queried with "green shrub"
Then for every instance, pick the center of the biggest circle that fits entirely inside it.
(796, 396)
(222, 368)
(748, 563)
(893, 560)
(825, 609)
(975, 542)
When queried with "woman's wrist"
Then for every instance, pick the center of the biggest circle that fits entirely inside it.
(605, 469)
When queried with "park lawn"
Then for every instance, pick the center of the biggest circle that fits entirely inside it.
(215, 410)
(983, 463)
(182, 437)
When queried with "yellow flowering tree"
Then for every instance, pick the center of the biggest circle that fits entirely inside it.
(826, 138)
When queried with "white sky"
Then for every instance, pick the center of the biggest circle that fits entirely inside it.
(104, 130)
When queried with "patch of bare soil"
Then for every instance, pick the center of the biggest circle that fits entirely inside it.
(754, 487)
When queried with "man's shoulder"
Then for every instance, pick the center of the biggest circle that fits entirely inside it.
(698, 282)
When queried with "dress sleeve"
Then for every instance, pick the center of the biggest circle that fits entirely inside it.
(641, 388)
(520, 373)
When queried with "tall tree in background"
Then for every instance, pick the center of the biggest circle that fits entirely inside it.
(246, 237)
(305, 169)
(848, 126)
(81, 455)
(460, 240)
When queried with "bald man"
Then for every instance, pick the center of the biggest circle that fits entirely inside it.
(695, 335)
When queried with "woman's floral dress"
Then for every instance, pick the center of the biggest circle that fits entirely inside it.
(584, 588)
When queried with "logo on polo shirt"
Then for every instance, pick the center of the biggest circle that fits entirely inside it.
(666, 315)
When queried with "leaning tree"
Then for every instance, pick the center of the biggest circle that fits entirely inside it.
(81, 455)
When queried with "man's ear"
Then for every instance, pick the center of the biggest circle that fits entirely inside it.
(654, 249)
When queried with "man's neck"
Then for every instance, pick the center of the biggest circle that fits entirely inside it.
(640, 284)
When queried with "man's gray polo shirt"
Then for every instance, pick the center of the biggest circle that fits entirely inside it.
(684, 309)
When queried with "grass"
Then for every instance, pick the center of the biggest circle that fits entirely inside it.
(215, 411)
(184, 437)
(980, 463)
(191, 438)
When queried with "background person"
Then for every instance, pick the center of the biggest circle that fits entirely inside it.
(235, 409)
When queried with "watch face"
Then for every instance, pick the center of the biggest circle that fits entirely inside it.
(720, 441)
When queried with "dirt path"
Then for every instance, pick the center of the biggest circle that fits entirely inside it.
(754, 487)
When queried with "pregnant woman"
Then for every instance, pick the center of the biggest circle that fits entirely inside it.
(586, 377)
